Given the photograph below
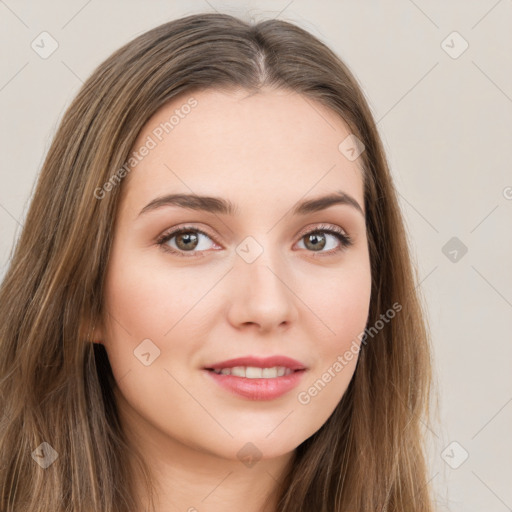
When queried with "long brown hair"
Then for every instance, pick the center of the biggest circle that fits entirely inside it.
(56, 386)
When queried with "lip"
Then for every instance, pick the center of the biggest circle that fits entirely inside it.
(259, 362)
(258, 389)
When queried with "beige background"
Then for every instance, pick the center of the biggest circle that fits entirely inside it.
(445, 118)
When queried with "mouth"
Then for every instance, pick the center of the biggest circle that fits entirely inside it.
(255, 372)
(256, 378)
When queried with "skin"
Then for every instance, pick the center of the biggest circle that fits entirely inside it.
(264, 152)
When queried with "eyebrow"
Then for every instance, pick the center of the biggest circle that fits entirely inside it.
(219, 205)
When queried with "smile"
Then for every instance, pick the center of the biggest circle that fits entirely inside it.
(254, 372)
(257, 378)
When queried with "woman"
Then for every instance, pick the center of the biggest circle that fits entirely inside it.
(212, 303)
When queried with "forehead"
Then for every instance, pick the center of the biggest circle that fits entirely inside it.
(276, 144)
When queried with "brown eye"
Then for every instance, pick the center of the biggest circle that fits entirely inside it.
(315, 241)
(187, 240)
(320, 238)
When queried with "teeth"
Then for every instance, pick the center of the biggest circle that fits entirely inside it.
(253, 372)
(238, 371)
(270, 373)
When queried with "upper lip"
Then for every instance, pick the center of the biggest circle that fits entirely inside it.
(258, 362)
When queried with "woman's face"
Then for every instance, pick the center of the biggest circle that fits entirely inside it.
(251, 283)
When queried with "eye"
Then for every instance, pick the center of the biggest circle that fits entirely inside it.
(188, 239)
(317, 240)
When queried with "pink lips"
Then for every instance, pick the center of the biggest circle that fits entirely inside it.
(258, 389)
(261, 362)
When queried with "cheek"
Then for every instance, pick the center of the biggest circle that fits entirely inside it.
(342, 304)
(148, 307)
(340, 301)
(349, 312)
(141, 304)
(149, 300)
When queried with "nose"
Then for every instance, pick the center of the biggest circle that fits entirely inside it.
(262, 294)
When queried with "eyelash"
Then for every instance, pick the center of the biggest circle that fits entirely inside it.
(344, 239)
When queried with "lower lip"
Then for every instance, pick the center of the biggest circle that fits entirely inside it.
(258, 389)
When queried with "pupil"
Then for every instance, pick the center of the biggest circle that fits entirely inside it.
(316, 241)
(188, 238)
